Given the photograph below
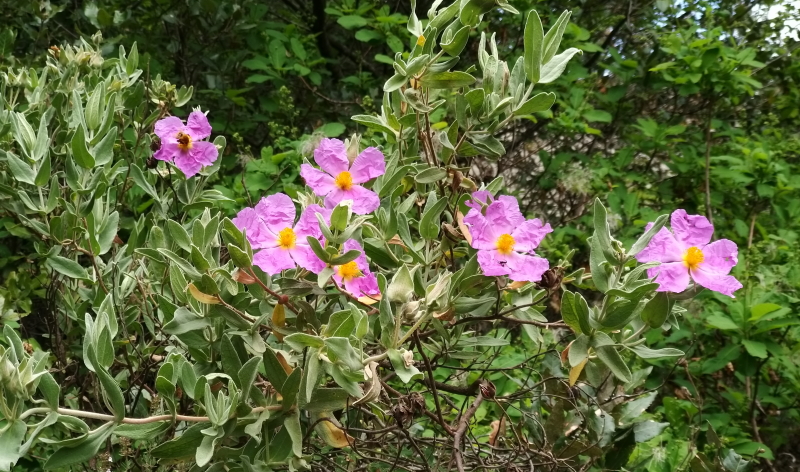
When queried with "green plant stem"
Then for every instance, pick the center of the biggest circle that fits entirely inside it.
(151, 419)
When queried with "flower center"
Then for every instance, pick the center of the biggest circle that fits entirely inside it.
(344, 181)
(184, 141)
(693, 257)
(349, 271)
(287, 238)
(505, 244)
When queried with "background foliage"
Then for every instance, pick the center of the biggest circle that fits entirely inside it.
(688, 105)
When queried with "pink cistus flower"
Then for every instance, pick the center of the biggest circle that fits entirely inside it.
(355, 275)
(505, 240)
(283, 244)
(183, 145)
(685, 254)
(340, 179)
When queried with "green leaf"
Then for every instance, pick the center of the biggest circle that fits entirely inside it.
(447, 80)
(79, 150)
(540, 102)
(647, 430)
(755, 348)
(647, 353)
(11, 438)
(332, 130)
(239, 257)
(143, 431)
(431, 175)
(657, 310)
(67, 267)
(184, 321)
(534, 46)
(300, 341)
(405, 373)
(82, 451)
(575, 312)
(612, 359)
(291, 388)
(274, 370)
(721, 322)
(579, 350)
(375, 123)
(758, 311)
(644, 239)
(598, 115)
(401, 289)
(429, 223)
(21, 170)
(555, 67)
(43, 174)
(733, 462)
(183, 447)
(553, 37)
(352, 21)
(457, 42)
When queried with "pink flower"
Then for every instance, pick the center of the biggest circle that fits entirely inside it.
(355, 275)
(182, 144)
(270, 227)
(505, 240)
(340, 179)
(685, 254)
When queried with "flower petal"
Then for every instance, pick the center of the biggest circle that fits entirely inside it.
(716, 281)
(530, 234)
(662, 248)
(248, 221)
(197, 125)
(320, 182)
(525, 268)
(168, 127)
(331, 155)
(305, 258)
(308, 224)
(167, 151)
(361, 261)
(277, 211)
(204, 152)
(364, 201)
(369, 164)
(479, 199)
(273, 260)
(720, 257)
(484, 235)
(366, 285)
(492, 262)
(691, 230)
(672, 277)
(186, 163)
(504, 215)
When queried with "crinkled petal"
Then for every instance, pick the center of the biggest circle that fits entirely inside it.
(361, 260)
(672, 277)
(204, 152)
(366, 285)
(186, 163)
(197, 126)
(331, 155)
(308, 224)
(305, 258)
(492, 262)
(526, 268)
(484, 235)
(365, 201)
(273, 260)
(248, 221)
(167, 151)
(320, 182)
(168, 127)
(691, 230)
(504, 216)
(530, 234)
(662, 248)
(720, 257)
(277, 211)
(479, 199)
(369, 164)
(716, 281)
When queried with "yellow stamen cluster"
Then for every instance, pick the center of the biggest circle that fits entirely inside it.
(693, 257)
(349, 271)
(287, 239)
(344, 181)
(505, 244)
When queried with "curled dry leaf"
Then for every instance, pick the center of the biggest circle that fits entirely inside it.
(331, 432)
(498, 430)
(463, 227)
(373, 386)
(202, 297)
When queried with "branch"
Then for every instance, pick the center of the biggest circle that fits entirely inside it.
(150, 419)
(458, 438)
